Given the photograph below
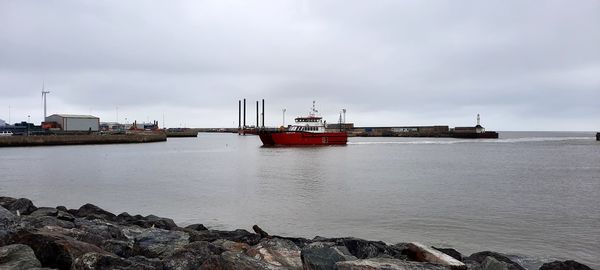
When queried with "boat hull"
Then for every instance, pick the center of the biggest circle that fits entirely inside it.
(303, 138)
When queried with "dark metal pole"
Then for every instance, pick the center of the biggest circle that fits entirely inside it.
(244, 126)
(239, 114)
(263, 113)
(257, 114)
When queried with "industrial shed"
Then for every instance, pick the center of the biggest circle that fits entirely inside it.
(75, 122)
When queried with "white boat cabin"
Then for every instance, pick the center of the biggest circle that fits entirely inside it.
(312, 123)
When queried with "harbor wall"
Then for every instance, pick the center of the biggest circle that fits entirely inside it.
(12, 141)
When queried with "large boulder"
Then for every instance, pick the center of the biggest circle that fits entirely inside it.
(7, 225)
(39, 221)
(566, 265)
(91, 211)
(386, 264)
(318, 256)
(481, 256)
(196, 227)
(54, 249)
(364, 249)
(158, 243)
(102, 229)
(98, 261)
(77, 234)
(18, 257)
(239, 235)
(450, 252)
(191, 256)
(45, 211)
(422, 253)
(492, 264)
(150, 221)
(22, 205)
(5, 201)
(278, 252)
(231, 260)
(120, 248)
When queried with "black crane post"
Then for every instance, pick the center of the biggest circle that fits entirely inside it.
(263, 113)
(239, 115)
(244, 126)
(257, 114)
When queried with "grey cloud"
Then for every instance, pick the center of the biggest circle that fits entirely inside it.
(391, 62)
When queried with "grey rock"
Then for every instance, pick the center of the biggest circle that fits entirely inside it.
(99, 261)
(150, 221)
(101, 228)
(63, 215)
(5, 201)
(24, 206)
(231, 260)
(472, 265)
(481, 256)
(364, 249)
(565, 265)
(196, 227)
(231, 246)
(18, 257)
(423, 253)
(158, 243)
(7, 218)
(191, 256)
(492, 264)
(91, 211)
(35, 222)
(387, 264)
(324, 257)
(239, 235)
(45, 211)
(278, 252)
(450, 252)
(120, 248)
(154, 262)
(54, 249)
(7, 225)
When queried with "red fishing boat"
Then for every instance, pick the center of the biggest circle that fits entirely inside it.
(309, 130)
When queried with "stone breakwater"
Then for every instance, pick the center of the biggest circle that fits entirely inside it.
(91, 238)
(14, 141)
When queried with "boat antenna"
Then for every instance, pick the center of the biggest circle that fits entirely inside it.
(478, 120)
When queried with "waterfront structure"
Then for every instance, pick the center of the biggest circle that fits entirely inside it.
(75, 122)
(401, 131)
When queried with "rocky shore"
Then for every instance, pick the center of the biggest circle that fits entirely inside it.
(91, 238)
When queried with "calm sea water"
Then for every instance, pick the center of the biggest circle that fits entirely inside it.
(534, 195)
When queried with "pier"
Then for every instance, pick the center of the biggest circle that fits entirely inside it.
(142, 137)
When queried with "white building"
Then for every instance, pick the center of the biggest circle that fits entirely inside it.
(74, 122)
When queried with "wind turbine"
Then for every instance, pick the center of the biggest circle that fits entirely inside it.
(44, 93)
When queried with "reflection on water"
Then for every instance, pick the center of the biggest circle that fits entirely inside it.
(530, 194)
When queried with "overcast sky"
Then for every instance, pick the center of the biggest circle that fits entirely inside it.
(523, 65)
